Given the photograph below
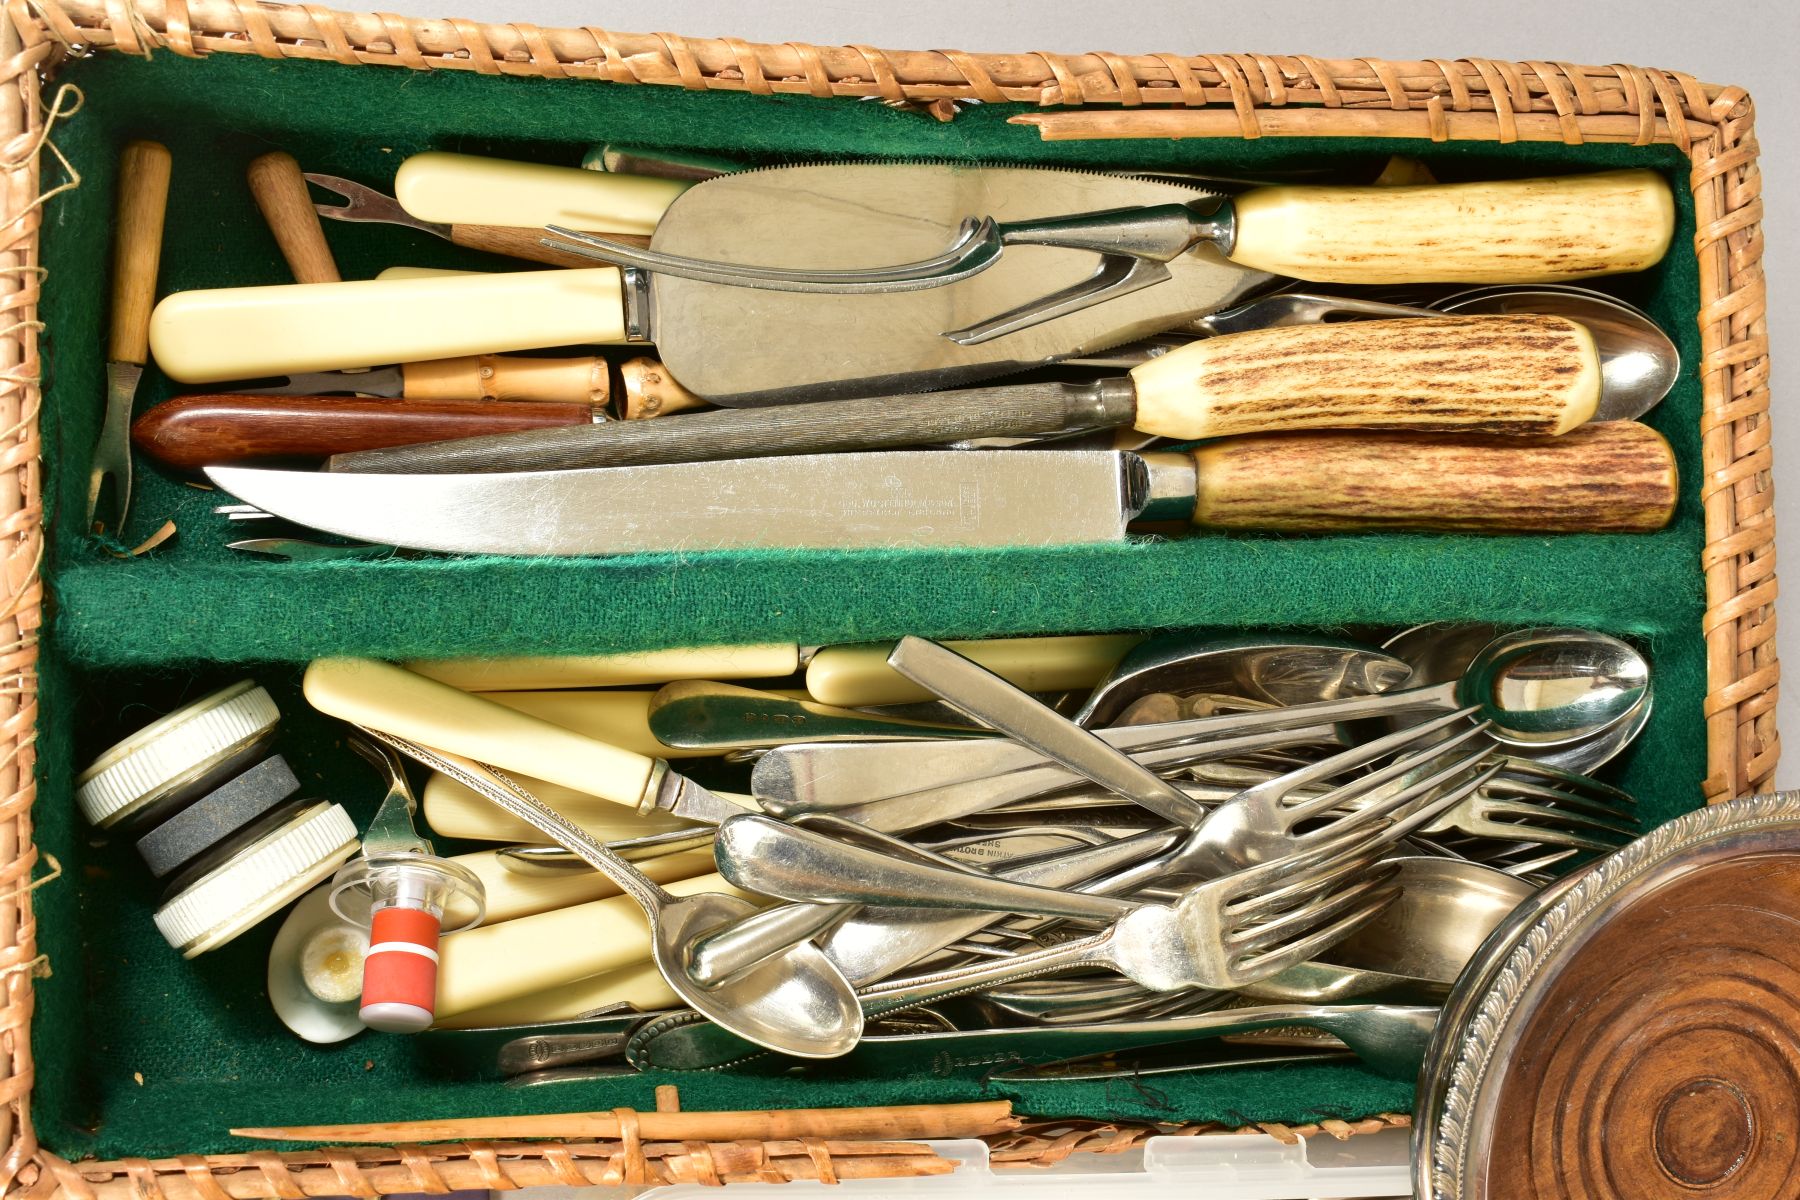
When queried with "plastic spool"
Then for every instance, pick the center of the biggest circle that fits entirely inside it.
(407, 901)
(215, 826)
(170, 762)
(269, 873)
(315, 970)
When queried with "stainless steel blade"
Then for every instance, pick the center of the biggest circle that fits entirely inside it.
(682, 797)
(743, 348)
(828, 501)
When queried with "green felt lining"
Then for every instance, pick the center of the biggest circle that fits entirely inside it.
(130, 639)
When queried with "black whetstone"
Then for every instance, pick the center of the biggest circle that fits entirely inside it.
(210, 824)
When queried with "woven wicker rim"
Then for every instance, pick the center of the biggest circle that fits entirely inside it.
(1161, 95)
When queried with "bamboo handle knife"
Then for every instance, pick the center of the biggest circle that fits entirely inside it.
(190, 432)
(582, 379)
(144, 169)
(1610, 477)
(279, 188)
(1513, 231)
(647, 389)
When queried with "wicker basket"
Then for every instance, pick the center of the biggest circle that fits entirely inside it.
(1161, 95)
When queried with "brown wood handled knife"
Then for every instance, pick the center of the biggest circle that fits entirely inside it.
(190, 432)
(143, 202)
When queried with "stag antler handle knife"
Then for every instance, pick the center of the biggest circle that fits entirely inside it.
(144, 169)
(1613, 477)
(1610, 477)
(1518, 231)
(1513, 375)
(1515, 231)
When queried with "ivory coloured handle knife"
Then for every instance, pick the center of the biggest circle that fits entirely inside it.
(395, 701)
(243, 333)
(849, 675)
(466, 189)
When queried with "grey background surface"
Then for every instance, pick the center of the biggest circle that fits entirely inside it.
(1749, 43)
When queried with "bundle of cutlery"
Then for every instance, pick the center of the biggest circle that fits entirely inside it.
(1165, 840)
(820, 311)
(1075, 856)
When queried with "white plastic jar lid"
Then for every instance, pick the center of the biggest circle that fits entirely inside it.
(183, 754)
(259, 880)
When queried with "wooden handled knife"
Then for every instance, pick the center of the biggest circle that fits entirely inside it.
(190, 432)
(1613, 477)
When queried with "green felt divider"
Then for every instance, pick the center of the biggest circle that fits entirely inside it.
(132, 639)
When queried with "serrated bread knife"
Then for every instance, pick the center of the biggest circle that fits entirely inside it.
(1615, 476)
(742, 346)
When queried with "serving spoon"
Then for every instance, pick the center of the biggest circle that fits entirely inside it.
(1440, 651)
(1638, 361)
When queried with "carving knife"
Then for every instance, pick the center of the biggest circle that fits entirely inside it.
(1616, 476)
(744, 346)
